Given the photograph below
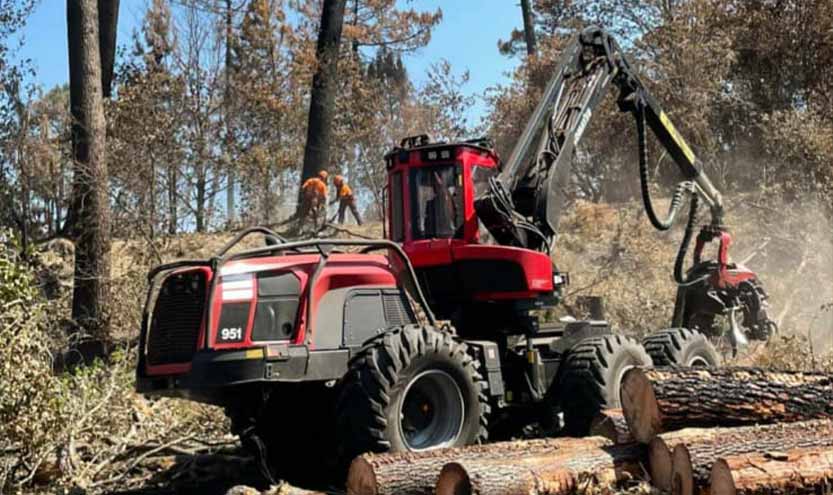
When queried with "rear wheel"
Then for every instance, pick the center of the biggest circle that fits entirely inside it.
(681, 347)
(410, 389)
(592, 376)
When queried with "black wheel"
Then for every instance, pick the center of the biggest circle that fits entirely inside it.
(591, 376)
(681, 347)
(410, 389)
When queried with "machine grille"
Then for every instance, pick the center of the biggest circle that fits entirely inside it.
(177, 316)
(396, 308)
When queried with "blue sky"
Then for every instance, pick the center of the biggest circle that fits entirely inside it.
(467, 37)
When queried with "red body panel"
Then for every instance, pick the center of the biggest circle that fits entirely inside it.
(727, 275)
(537, 266)
(341, 270)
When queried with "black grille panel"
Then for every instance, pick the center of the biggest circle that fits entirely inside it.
(397, 309)
(177, 315)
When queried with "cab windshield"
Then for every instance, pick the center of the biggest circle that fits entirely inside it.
(437, 202)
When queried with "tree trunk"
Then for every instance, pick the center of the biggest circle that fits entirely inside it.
(152, 193)
(199, 211)
(557, 473)
(529, 28)
(229, 130)
(415, 473)
(799, 471)
(91, 209)
(172, 216)
(705, 446)
(108, 22)
(667, 399)
(611, 424)
(322, 97)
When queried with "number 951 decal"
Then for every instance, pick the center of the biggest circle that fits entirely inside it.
(234, 334)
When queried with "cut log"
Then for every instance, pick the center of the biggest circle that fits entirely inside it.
(667, 399)
(416, 473)
(660, 464)
(682, 481)
(800, 471)
(705, 446)
(558, 473)
(611, 424)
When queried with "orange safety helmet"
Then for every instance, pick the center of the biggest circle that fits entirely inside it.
(338, 180)
(323, 175)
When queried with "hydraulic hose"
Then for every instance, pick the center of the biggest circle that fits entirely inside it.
(673, 209)
(691, 224)
(679, 192)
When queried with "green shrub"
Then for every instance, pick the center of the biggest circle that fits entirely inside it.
(30, 406)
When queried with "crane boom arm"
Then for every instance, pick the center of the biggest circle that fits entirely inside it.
(522, 204)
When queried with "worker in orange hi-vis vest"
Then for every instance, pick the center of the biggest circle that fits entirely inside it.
(345, 198)
(314, 192)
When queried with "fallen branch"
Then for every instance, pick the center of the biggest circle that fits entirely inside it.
(139, 460)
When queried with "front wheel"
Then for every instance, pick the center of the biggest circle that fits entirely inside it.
(411, 389)
(592, 376)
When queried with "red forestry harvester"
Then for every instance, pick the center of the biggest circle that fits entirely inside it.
(320, 354)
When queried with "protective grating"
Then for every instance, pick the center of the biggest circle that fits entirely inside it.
(177, 315)
(396, 309)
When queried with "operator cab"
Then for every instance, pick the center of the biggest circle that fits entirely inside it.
(432, 188)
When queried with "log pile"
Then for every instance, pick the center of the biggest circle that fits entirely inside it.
(669, 399)
(685, 431)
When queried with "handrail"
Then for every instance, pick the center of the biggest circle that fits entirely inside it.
(224, 257)
(245, 233)
(372, 244)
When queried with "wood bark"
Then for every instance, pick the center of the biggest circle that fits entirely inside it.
(556, 473)
(658, 400)
(416, 473)
(324, 87)
(90, 205)
(799, 471)
(705, 446)
(612, 425)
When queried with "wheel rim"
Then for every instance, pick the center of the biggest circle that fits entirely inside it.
(432, 411)
(698, 362)
(618, 384)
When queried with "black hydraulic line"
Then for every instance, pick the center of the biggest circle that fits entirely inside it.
(679, 276)
(676, 200)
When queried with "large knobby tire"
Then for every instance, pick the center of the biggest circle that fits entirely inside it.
(412, 388)
(681, 347)
(591, 376)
